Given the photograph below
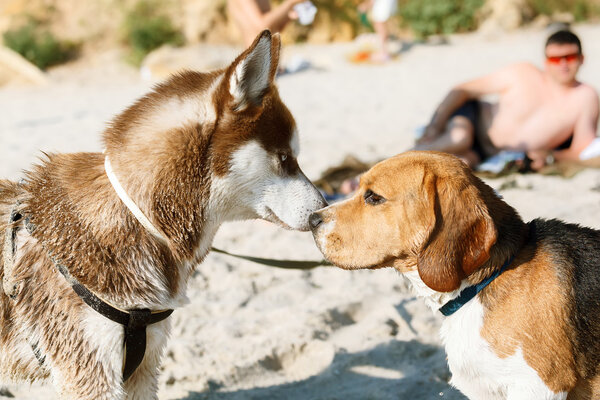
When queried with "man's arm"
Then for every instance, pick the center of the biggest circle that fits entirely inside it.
(365, 5)
(274, 19)
(585, 127)
(494, 83)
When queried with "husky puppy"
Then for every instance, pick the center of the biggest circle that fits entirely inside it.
(131, 224)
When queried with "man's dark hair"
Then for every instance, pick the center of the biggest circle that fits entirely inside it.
(564, 37)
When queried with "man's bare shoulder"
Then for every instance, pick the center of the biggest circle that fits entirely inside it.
(520, 71)
(585, 98)
(524, 67)
(588, 93)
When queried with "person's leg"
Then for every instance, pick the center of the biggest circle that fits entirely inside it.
(382, 34)
(349, 185)
(381, 12)
(456, 139)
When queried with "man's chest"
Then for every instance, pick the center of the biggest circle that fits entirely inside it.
(536, 116)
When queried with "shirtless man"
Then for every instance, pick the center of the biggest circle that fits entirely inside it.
(548, 114)
(253, 16)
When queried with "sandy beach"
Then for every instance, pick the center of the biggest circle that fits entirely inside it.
(254, 332)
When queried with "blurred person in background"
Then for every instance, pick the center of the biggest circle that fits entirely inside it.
(546, 113)
(253, 16)
(381, 12)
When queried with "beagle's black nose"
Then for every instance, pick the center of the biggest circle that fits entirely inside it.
(314, 220)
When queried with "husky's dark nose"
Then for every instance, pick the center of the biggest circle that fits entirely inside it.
(314, 220)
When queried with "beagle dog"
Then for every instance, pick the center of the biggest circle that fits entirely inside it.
(521, 300)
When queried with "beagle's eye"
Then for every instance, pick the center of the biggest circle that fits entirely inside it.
(373, 198)
(283, 157)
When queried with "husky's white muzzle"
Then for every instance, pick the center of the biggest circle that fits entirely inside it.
(289, 201)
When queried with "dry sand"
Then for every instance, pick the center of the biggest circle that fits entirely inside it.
(253, 332)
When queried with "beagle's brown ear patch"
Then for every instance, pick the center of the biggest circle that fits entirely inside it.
(461, 238)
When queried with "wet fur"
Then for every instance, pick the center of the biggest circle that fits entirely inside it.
(173, 151)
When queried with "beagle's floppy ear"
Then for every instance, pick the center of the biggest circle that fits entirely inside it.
(460, 238)
(253, 72)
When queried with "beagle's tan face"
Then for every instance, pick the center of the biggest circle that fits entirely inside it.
(385, 220)
(421, 210)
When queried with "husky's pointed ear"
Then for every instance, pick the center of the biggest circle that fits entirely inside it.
(253, 72)
(275, 50)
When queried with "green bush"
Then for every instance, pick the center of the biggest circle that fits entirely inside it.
(38, 45)
(431, 17)
(340, 10)
(581, 9)
(146, 29)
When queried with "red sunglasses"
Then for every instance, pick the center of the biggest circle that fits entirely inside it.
(568, 57)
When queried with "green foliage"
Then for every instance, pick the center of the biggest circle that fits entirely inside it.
(38, 45)
(581, 9)
(340, 10)
(431, 17)
(146, 29)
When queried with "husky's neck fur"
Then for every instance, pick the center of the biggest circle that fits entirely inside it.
(130, 204)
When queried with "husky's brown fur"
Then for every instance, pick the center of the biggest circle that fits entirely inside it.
(76, 217)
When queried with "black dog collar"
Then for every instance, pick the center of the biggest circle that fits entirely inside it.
(134, 321)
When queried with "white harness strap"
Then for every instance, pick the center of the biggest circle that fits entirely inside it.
(135, 210)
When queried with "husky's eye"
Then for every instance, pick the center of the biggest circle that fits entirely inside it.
(287, 164)
(373, 198)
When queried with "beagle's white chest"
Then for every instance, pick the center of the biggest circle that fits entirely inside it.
(478, 372)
